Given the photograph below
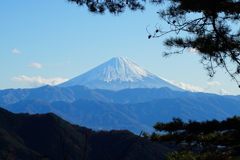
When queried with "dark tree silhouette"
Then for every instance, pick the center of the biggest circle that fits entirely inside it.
(210, 26)
(113, 6)
(201, 140)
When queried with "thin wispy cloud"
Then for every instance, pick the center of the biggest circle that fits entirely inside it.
(16, 51)
(190, 87)
(39, 65)
(213, 83)
(223, 92)
(185, 86)
(38, 81)
(35, 65)
(193, 88)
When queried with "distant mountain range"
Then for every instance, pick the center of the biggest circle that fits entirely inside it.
(71, 94)
(118, 94)
(48, 137)
(117, 74)
(132, 99)
(132, 109)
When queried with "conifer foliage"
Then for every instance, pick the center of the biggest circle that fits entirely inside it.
(201, 140)
(210, 27)
(113, 6)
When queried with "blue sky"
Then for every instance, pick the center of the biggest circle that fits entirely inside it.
(47, 42)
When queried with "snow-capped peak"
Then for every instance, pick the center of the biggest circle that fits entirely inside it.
(122, 69)
(116, 74)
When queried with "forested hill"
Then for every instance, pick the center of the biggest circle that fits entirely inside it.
(27, 137)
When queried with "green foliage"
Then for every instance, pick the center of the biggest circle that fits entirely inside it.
(183, 155)
(201, 140)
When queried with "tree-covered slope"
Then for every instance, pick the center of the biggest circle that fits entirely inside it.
(25, 136)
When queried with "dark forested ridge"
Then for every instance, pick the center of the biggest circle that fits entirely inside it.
(25, 136)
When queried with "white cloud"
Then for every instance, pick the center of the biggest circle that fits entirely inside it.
(15, 51)
(185, 86)
(35, 65)
(213, 83)
(223, 92)
(190, 87)
(38, 81)
(193, 50)
(69, 62)
(39, 65)
(193, 88)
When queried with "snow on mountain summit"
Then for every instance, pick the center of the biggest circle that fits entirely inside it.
(116, 74)
(123, 69)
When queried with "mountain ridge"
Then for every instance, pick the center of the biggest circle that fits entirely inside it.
(54, 138)
(135, 117)
(70, 94)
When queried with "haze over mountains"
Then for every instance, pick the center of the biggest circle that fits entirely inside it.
(132, 109)
(132, 99)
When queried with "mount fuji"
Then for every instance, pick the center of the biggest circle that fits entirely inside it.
(117, 74)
